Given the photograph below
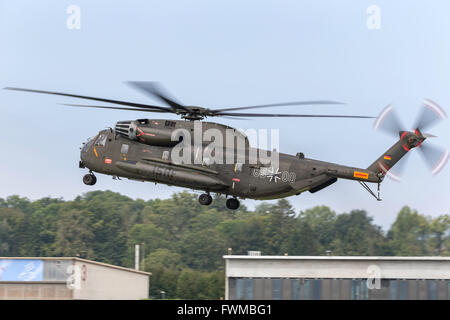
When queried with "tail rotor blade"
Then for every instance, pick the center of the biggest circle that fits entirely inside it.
(388, 122)
(430, 115)
(397, 171)
(435, 157)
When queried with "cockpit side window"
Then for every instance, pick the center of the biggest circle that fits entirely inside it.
(101, 140)
(124, 149)
(88, 144)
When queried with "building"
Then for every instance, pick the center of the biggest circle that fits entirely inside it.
(255, 277)
(69, 278)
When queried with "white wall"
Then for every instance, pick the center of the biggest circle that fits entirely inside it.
(337, 267)
(107, 283)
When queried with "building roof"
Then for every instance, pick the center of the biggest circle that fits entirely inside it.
(77, 259)
(343, 267)
(349, 258)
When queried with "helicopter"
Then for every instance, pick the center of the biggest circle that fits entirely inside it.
(163, 151)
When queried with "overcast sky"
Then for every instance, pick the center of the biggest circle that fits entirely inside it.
(223, 54)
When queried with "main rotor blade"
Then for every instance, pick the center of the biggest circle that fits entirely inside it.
(282, 104)
(233, 118)
(115, 108)
(430, 115)
(124, 103)
(388, 122)
(288, 115)
(154, 89)
(435, 157)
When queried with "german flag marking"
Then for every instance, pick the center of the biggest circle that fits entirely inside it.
(362, 175)
(386, 157)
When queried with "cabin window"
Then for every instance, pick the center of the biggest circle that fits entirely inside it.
(101, 140)
(165, 155)
(124, 149)
(238, 167)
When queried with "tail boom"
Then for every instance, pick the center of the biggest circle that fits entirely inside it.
(408, 140)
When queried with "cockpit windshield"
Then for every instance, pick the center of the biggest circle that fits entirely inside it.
(88, 143)
(101, 140)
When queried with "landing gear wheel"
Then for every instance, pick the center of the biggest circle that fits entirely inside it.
(232, 203)
(89, 179)
(205, 199)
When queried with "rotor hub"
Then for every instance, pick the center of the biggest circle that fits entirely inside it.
(411, 139)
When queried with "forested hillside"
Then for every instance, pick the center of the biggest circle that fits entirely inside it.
(183, 242)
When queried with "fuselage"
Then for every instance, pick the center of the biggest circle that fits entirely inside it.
(241, 174)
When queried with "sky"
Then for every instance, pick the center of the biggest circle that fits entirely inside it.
(224, 54)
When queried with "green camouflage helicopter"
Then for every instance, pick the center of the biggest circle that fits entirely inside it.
(163, 151)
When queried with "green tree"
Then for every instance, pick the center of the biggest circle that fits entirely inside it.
(165, 268)
(439, 232)
(74, 234)
(192, 285)
(247, 234)
(356, 235)
(4, 238)
(409, 233)
(203, 250)
(302, 241)
(321, 219)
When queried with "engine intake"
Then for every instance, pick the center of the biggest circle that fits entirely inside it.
(143, 131)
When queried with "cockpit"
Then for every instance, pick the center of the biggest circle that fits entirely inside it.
(88, 144)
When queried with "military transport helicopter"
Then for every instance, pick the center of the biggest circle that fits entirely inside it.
(143, 150)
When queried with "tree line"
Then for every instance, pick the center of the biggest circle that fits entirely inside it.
(182, 242)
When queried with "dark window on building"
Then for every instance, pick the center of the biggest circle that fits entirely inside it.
(276, 289)
(359, 290)
(232, 288)
(306, 290)
(296, 289)
(239, 289)
(317, 289)
(403, 290)
(363, 290)
(432, 289)
(249, 289)
(393, 288)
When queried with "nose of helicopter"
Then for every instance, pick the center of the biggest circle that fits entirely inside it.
(82, 154)
(84, 151)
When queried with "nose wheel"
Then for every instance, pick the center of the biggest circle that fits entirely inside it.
(233, 204)
(89, 179)
(205, 199)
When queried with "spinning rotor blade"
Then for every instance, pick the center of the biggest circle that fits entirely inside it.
(124, 103)
(156, 90)
(115, 108)
(388, 122)
(287, 115)
(397, 171)
(430, 115)
(187, 112)
(435, 157)
(234, 118)
(282, 104)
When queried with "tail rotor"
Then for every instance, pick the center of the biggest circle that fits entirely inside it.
(429, 116)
